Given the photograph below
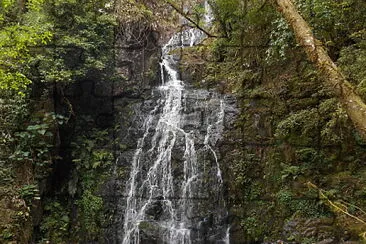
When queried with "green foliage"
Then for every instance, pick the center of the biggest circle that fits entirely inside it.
(84, 35)
(335, 122)
(199, 12)
(284, 196)
(41, 43)
(13, 111)
(311, 134)
(245, 170)
(309, 155)
(253, 227)
(34, 143)
(279, 40)
(300, 206)
(29, 193)
(90, 207)
(244, 26)
(6, 235)
(291, 172)
(353, 60)
(299, 127)
(334, 21)
(18, 34)
(55, 224)
(87, 155)
(92, 161)
(129, 11)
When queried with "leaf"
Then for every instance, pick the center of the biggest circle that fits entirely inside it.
(96, 164)
(65, 218)
(42, 131)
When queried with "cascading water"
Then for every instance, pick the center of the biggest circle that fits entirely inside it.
(174, 192)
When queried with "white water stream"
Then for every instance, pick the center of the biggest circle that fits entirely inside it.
(163, 193)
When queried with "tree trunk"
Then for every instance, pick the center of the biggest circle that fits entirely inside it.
(345, 91)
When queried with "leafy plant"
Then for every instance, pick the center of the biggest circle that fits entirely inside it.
(55, 225)
(34, 144)
(92, 161)
(91, 207)
(279, 40)
(29, 192)
(290, 171)
(17, 35)
(302, 123)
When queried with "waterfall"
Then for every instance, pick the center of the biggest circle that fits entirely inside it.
(174, 191)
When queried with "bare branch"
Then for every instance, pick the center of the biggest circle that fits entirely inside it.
(189, 19)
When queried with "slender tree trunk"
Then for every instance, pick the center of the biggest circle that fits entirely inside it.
(345, 91)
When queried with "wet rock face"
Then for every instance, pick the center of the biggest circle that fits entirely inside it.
(323, 229)
(199, 114)
(167, 181)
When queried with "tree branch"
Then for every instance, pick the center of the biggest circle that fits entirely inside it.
(189, 19)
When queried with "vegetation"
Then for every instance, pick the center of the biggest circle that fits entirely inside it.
(293, 129)
(44, 45)
(350, 100)
(297, 161)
